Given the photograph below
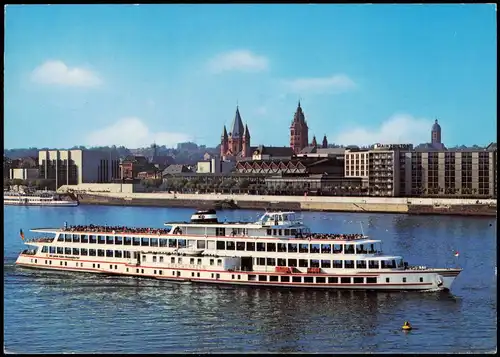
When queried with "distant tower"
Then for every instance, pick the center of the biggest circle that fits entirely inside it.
(314, 142)
(245, 152)
(236, 134)
(325, 142)
(299, 131)
(436, 133)
(223, 143)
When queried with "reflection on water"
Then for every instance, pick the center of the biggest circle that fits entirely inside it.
(77, 312)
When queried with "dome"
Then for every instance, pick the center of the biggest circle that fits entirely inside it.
(436, 126)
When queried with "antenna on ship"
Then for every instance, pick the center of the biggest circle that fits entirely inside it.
(362, 232)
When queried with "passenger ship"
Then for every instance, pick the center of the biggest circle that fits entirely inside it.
(277, 250)
(39, 198)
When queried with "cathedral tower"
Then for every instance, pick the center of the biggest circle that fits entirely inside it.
(436, 133)
(299, 131)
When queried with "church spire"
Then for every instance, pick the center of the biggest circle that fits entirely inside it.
(237, 127)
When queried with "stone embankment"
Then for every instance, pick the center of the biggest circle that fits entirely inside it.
(297, 203)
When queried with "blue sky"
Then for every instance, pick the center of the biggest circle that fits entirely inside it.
(130, 75)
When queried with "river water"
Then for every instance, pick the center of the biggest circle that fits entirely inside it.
(55, 312)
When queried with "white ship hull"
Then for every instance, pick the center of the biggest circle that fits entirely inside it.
(40, 203)
(433, 279)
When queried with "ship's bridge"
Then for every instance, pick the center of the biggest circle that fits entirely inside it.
(279, 219)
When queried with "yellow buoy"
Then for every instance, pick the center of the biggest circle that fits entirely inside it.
(406, 326)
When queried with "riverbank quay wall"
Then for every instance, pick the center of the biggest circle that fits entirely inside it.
(296, 203)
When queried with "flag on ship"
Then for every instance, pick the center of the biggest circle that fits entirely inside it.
(21, 234)
(456, 253)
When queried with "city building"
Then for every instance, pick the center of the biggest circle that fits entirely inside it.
(132, 165)
(73, 167)
(236, 143)
(299, 131)
(215, 166)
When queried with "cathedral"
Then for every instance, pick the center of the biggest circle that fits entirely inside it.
(299, 133)
(236, 144)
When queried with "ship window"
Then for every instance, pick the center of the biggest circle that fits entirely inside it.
(404, 280)
(110, 267)
(154, 271)
(46, 262)
(119, 240)
(285, 279)
(271, 261)
(142, 271)
(303, 263)
(349, 249)
(100, 252)
(221, 245)
(282, 247)
(232, 276)
(161, 259)
(230, 245)
(387, 280)
(212, 275)
(172, 243)
(293, 232)
(92, 252)
(239, 276)
(45, 249)
(315, 248)
(60, 263)
(320, 280)
(199, 261)
(275, 232)
(349, 264)
(240, 245)
(161, 272)
(191, 261)
(421, 280)
(67, 238)
(292, 262)
(371, 280)
(100, 240)
(271, 247)
(127, 240)
(136, 241)
(93, 265)
(250, 246)
(219, 261)
(145, 242)
(262, 277)
(326, 248)
(67, 251)
(163, 242)
(85, 238)
(296, 279)
(308, 279)
(50, 262)
(181, 243)
(144, 258)
(200, 244)
(373, 264)
(273, 278)
(269, 232)
(261, 247)
(345, 280)
(260, 261)
(333, 280)
(60, 238)
(84, 251)
(358, 280)
(281, 262)
(303, 248)
(154, 242)
(126, 254)
(360, 264)
(109, 253)
(211, 262)
(118, 253)
(52, 250)
(110, 240)
(220, 231)
(314, 263)
(337, 248)
(92, 239)
(292, 248)
(76, 238)
(65, 263)
(287, 232)
(127, 270)
(326, 263)
(337, 264)
(76, 251)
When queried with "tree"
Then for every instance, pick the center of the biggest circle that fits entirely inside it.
(243, 184)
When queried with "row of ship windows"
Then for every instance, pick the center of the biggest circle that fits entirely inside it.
(227, 245)
(270, 278)
(302, 263)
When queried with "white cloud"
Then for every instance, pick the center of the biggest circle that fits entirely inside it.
(333, 84)
(133, 133)
(399, 129)
(56, 72)
(238, 60)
